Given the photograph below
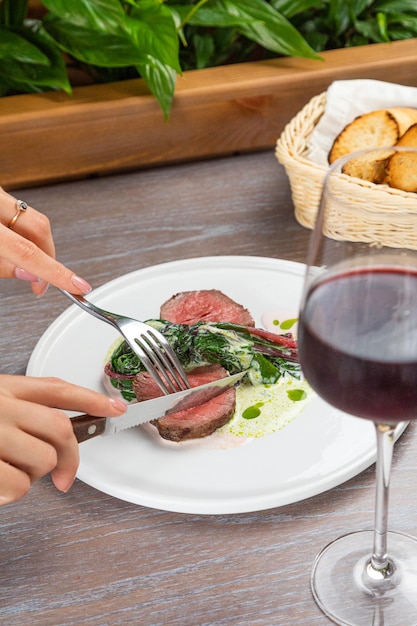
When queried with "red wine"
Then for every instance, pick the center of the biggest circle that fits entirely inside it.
(358, 342)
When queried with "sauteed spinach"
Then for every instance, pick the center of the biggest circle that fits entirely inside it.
(266, 356)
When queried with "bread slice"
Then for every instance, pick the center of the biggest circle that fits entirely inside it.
(370, 130)
(370, 166)
(409, 138)
(402, 171)
(404, 116)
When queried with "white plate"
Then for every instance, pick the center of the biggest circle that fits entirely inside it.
(320, 449)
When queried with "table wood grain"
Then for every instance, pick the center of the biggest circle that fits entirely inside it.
(87, 558)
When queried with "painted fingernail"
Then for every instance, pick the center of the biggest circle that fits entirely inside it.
(24, 275)
(118, 405)
(81, 284)
(68, 487)
(42, 291)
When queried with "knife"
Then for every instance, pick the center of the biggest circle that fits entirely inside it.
(86, 426)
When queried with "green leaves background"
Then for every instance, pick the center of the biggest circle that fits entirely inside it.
(158, 39)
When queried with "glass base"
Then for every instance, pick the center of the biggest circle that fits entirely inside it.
(348, 595)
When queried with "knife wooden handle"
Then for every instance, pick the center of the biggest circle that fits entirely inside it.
(86, 426)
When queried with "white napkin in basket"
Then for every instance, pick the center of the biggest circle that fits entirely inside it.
(345, 100)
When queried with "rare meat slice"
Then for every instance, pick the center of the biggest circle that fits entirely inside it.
(199, 421)
(207, 305)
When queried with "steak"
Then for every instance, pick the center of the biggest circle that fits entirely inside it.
(207, 305)
(190, 307)
(199, 421)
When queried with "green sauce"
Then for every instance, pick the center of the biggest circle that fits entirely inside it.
(252, 411)
(287, 324)
(296, 394)
(264, 409)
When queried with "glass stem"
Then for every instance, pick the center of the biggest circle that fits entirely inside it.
(385, 447)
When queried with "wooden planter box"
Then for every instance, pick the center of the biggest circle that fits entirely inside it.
(117, 127)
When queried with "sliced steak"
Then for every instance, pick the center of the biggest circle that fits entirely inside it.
(207, 305)
(199, 421)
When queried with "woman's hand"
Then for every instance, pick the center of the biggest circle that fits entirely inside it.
(28, 251)
(36, 436)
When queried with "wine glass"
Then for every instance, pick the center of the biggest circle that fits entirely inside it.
(358, 350)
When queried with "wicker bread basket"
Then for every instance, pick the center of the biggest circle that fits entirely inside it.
(376, 213)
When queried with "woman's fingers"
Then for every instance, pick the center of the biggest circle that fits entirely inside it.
(26, 255)
(28, 246)
(55, 392)
(65, 450)
(14, 483)
(35, 457)
(36, 440)
(36, 437)
(30, 224)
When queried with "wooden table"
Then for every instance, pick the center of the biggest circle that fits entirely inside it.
(87, 558)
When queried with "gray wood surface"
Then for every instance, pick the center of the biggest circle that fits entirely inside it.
(87, 558)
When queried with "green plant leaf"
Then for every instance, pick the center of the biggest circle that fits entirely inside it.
(16, 47)
(226, 44)
(339, 17)
(398, 33)
(396, 6)
(209, 16)
(340, 24)
(12, 12)
(258, 21)
(121, 41)
(408, 22)
(92, 46)
(356, 8)
(161, 80)
(103, 15)
(204, 49)
(289, 8)
(269, 28)
(45, 69)
(122, 37)
(152, 30)
(381, 20)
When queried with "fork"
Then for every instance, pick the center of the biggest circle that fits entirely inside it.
(149, 345)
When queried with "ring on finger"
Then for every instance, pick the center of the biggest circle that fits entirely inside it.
(21, 207)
